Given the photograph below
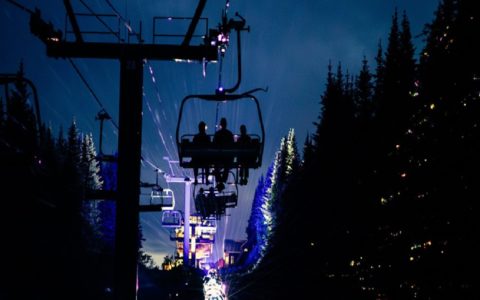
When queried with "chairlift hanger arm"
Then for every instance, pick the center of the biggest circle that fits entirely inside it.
(238, 26)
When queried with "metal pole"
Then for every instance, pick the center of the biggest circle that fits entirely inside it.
(101, 136)
(129, 155)
(186, 229)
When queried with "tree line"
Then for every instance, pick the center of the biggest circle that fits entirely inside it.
(58, 237)
(54, 241)
(383, 204)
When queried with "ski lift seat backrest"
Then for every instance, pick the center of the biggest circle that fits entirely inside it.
(231, 156)
(227, 199)
(165, 198)
(154, 195)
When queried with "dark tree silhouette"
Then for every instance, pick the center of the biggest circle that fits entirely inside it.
(255, 223)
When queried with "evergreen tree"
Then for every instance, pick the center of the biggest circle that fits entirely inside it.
(364, 94)
(410, 227)
(108, 172)
(395, 105)
(334, 140)
(364, 156)
(307, 151)
(2, 114)
(48, 146)
(90, 165)
(334, 130)
(349, 86)
(261, 228)
(90, 172)
(61, 142)
(364, 117)
(50, 207)
(71, 180)
(275, 182)
(268, 205)
(255, 226)
(18, 147)
(21, 132)
(47, 171)
(292, 158)
(330, 92)
(390, 101)
(71, 186)
(379, 77)
(407, 61)
(73, 150)
(108, 207)
(394, 100)
(3, 138)
(442, 147)
(268, 208)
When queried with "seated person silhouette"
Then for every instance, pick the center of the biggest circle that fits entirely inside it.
(201, 202)
(223, 138)
(243, 141)
(211, 203)
(202, 140)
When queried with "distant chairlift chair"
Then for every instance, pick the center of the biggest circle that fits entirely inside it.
(172, 219)
(160, 200)
(213, 204)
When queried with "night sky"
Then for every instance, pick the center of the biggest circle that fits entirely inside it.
(287, 50)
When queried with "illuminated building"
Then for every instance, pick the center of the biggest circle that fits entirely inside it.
(233, 250)
(202, 237)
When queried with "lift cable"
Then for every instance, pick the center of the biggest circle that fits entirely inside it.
(90, 89)
(77, 70)
(22, 7)
(125, 21)
(101, 105)
(83, 79)
(152, 76)
(100, 20)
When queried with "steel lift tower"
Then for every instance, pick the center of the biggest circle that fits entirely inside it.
(131, 57)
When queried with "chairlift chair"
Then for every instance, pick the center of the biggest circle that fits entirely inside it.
(164, 197)
(213, 203)
(160, 200)
(214, 156)
(209, 225)
(172, 219)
